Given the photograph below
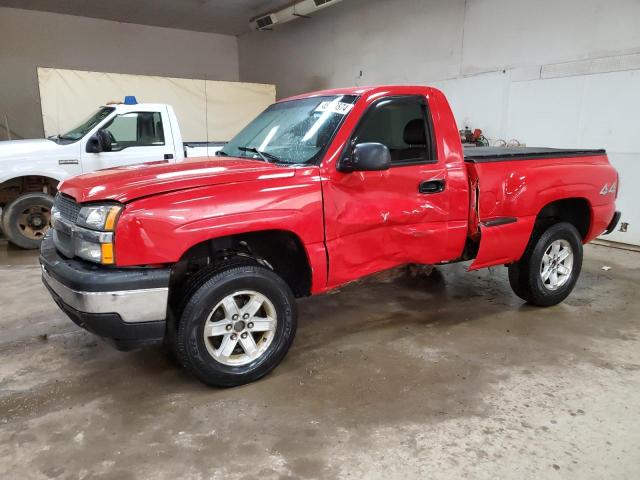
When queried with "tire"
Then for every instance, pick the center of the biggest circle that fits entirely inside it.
(229, 364)
(532, 277)
(184, 292)
(26, 220)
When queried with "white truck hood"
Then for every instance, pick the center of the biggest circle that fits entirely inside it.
(38, 157)
(19, 148)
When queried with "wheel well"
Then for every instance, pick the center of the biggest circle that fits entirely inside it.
(12, 189)
(279, 250)
(575, 211)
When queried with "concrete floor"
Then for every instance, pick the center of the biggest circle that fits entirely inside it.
(448, 376)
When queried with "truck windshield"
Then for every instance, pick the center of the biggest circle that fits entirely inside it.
(292, 132)
(85, 127)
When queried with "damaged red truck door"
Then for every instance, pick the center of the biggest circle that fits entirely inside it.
(321, 189)
(413, 212)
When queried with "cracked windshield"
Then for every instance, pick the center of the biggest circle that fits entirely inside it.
(292, 132)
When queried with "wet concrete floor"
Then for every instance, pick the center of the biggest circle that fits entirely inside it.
(446, 376)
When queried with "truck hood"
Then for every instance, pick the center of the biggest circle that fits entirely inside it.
(16, 149)
(124, 184)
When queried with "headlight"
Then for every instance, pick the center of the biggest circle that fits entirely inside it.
(99, 217)
(89, 250)
(96, 244)
(99, 250)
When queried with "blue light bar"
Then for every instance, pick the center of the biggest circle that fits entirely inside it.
(130, 100)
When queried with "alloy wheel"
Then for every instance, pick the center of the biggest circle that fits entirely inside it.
(557, 264)
(240, 328)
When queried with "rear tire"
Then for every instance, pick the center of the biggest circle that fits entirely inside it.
(549, 269)
(26, 220)
(237, 326)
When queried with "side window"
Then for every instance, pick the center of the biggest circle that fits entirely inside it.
(401, 125)
(123, 130)
(136, 129)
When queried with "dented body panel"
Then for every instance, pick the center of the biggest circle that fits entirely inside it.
(519, 190)
(377, 220)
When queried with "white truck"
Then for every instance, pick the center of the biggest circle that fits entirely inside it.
(117, 134)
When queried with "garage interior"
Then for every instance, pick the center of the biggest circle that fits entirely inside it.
(418, 373)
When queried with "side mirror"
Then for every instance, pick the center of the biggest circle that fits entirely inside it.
(367, 157)
(99, 142)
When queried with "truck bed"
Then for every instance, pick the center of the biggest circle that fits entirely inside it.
(505, 154)
(510, 186)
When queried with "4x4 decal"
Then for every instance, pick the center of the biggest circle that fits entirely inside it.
(608, 189)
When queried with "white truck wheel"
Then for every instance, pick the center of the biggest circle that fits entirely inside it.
(26, 220)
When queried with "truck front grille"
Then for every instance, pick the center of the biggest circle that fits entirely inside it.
(67, 207)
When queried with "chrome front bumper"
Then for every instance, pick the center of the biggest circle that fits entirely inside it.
(144, 305)
(125, 306)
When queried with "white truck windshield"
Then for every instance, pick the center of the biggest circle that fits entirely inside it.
(85, 127)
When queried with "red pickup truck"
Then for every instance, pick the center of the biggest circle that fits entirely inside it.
(320, 189)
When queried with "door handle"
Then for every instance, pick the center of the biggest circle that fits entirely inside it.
(431, 186)
(168, 156)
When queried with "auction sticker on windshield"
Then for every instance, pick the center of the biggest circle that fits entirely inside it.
(335, 107)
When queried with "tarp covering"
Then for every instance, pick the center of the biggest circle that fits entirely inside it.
(206, 109)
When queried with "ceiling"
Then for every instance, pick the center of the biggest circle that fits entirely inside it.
(217, 16)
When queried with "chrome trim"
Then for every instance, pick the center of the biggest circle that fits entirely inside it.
(133, 306)
(73, 231)
(82, 232)
(92, 235)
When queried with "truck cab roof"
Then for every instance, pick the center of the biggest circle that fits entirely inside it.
(136, 107)
(387, 89)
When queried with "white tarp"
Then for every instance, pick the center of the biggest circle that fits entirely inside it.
(206, 109)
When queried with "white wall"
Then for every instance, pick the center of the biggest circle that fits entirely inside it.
(549, 73)
(425, 40)
(30, 39)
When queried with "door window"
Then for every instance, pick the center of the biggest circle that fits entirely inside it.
(400, 124)
(136, 129)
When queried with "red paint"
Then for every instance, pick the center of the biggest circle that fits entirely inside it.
(124, 184)
(362, 222)
(377, 220)
(522, 188)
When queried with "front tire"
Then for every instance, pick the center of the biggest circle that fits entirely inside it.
(26, 220)
(549, 269)
(237, 326)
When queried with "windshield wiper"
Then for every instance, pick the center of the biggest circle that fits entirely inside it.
(66, 137)
(220, 153)
(264, 155)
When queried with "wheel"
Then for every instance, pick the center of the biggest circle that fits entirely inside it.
(550, 267)
(26, 220)
(237, 326)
